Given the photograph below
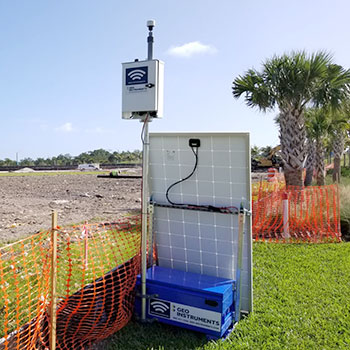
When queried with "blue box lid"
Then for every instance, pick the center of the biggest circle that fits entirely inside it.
(189, 280)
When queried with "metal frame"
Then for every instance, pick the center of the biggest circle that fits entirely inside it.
(244, 217)
(145, 200)
(241, 226)
(241, 223)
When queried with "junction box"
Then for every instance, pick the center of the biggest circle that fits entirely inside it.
(142, 90)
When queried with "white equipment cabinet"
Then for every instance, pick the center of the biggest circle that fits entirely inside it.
(142, 90)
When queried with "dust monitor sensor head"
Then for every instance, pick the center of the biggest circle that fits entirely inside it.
(151, 23)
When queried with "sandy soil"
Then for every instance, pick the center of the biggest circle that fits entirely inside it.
(26, 202)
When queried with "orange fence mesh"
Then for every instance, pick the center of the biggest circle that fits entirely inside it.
(97, 268)
(313, 213)
(24, 294)
(98, 264)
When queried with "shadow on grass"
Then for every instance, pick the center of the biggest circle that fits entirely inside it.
(153, 336)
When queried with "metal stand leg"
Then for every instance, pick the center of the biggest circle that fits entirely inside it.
(241, 223)
(145, 156)
(150, 235)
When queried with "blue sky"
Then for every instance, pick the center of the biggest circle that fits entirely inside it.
(60, 66)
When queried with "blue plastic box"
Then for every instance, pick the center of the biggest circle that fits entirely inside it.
(189, 300)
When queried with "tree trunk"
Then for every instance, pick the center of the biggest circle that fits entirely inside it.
(308, 176)
(336, 170)
(310, 162)
(320, 179)
(320, 169)
(338, 145)
(294, 177)
(293, 150)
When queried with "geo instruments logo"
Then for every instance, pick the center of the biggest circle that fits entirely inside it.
(136, 76)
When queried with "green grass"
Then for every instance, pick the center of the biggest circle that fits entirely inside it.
(344, 193)
(301, 301)
(21, 279)
(105, 251)
(55, 173)
(344, 180)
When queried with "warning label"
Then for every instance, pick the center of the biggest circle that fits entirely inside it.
(185, 314)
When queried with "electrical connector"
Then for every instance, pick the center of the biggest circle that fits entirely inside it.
(194, 143)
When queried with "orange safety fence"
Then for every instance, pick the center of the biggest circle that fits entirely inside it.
(97, 266)
(294, 214)
(265, 188)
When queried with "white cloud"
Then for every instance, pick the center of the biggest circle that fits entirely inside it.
(191, 49)
(67, 127)
(99, 130)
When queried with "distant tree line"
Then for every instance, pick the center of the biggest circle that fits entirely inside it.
(97, 156)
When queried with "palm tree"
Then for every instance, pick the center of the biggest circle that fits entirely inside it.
(318, 122)
(339, 135)
(338, 145)
(290, 83)
(325, 127)
(255, 151)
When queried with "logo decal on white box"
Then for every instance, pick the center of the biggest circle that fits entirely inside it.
(136, 76)
(190, 315)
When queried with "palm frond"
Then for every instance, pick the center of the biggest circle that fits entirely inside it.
(254, 89)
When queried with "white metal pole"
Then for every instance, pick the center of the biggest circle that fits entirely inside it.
(86, 244)
(53, 311)
(286, 234)
(145, 156)
(145, 195)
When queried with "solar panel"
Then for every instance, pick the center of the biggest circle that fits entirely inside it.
(193, 239)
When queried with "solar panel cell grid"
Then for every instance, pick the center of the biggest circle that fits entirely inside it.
(197, 241)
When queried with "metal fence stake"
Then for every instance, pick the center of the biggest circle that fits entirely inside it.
(285, 202)
(53, 315)
(86, 245)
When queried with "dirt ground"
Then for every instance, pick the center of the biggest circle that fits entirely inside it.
(26, 201)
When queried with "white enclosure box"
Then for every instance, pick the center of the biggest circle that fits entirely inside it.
(142, 90)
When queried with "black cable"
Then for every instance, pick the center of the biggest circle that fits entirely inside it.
(182, 180)
(211, 208)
